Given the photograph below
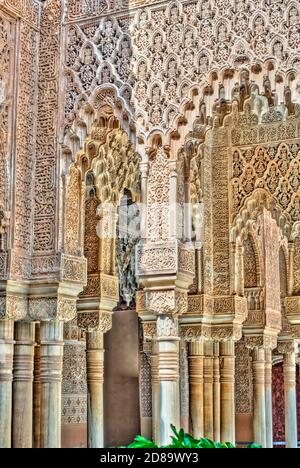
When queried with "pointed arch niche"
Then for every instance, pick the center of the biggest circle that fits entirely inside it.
(101, 223)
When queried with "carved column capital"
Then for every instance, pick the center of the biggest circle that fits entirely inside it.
(52, 308)
(287, 347)
(226, 333)
(261, 341)
(13, 307)
(195, 332)
(167, 327)
(95, 321)
(166, 301)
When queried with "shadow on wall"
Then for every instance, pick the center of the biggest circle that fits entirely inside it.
(121, 380)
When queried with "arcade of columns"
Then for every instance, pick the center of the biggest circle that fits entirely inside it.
(193, 108)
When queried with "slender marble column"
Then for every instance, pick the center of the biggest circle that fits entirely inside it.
(23, 385)
(227, 371)
(217, 394)
(196, 368)
(155, 392)
(289, 366)
(51, 379)
(268, 389)
(168, 371)
(209, 390)
(259, 397)
(37, 390)
(95, 380)
(6, 374)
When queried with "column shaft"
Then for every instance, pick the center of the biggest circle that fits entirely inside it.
(168, 369)
(217, 394)
(227, 373)
(259, 397)
(51, 380)
(23, 385)
(209, 390)
(289, 366)
(6, 374)
(37, 390)
(155, 392)
(95, 380)
(269, 411)
(196, 368)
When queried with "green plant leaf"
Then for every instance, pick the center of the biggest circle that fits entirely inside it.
(142, 442)
(183, 440)
(207, 444)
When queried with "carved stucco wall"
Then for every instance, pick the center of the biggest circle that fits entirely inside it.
(224, 42)
(158, 66)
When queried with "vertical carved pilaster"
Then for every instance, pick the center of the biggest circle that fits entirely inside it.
(22, 424)
(6, 375)
(196, 369)
(259, 420)
(95, 380)
(291, 269)
(51, 334)
(227, 373)
(144, 179)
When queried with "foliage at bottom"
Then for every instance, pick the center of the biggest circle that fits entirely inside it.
(185, 441)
